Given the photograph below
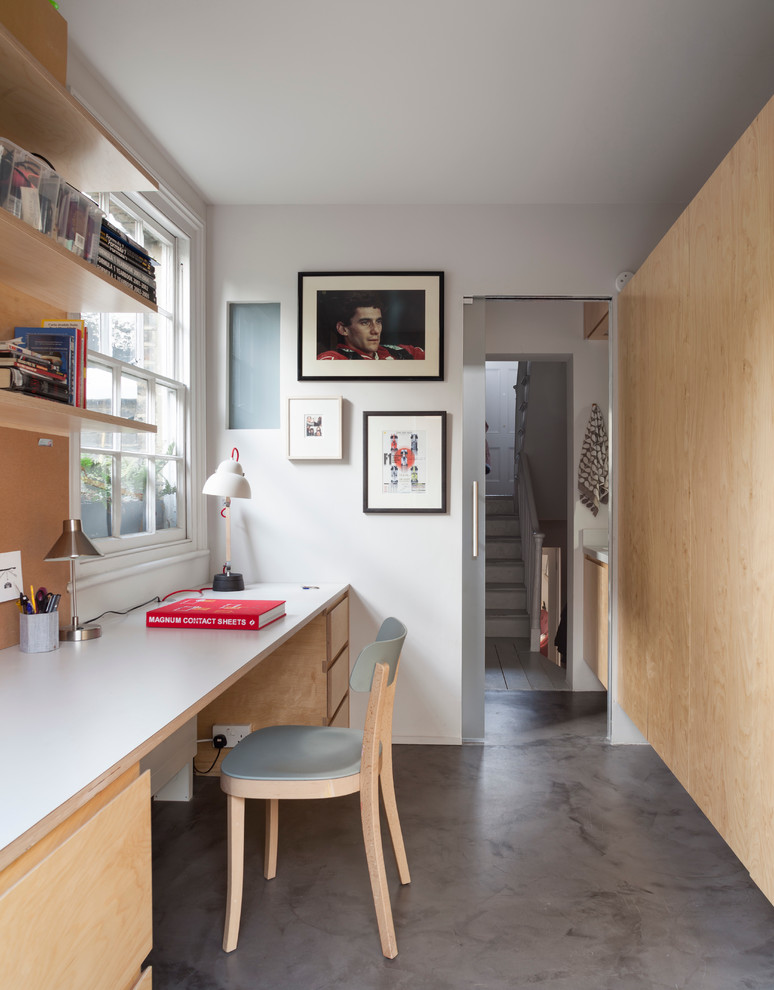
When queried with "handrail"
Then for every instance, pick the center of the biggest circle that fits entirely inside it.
(531, 549)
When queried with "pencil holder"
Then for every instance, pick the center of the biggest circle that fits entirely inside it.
(39, 633)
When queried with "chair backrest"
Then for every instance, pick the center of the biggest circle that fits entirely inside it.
(385, 649)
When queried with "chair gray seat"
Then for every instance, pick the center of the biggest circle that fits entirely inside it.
(296, 752)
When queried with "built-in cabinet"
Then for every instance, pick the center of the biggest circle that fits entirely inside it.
(75, 909)
(695, 575)
(595, 602)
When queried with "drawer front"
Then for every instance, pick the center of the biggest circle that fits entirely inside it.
(82, 918)
(338, 628)
(341, 718)
(338, 682)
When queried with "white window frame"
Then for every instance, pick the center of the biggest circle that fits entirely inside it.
(114, 544)
(124, 555)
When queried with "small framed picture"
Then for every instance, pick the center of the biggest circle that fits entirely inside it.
(314, 428)
(359, 326)
(404, 462)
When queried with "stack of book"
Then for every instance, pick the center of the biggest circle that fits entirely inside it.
(49, 361)
(124, 260)
(25, 370)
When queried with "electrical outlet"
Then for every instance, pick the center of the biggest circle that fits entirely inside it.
(233, 733)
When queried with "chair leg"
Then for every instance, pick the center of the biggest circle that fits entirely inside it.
(236, 868)
(391, 810)
(270, 847)
(372, 835)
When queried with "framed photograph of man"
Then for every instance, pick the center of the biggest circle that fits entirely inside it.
(358, 326)
(404, 462)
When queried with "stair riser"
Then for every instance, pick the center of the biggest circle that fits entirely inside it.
(502, 526)
(500, 507)
(505, 572)
(510, 627)
(503, 549)
(510, 598)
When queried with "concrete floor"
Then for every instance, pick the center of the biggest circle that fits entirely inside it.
(545, 858)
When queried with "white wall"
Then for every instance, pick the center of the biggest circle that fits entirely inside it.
(545, 442)
(542, 328)
(305, 521)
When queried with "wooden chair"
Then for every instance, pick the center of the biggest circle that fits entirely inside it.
(308, 761)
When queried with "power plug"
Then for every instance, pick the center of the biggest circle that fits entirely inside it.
(219, 741)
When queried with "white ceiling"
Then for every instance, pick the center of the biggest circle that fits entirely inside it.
(436, 101)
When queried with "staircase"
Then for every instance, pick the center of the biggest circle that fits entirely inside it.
(506, 593)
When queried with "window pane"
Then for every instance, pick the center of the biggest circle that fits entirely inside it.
(134, 485)
(166, 494)
(92, 322)
(126, 337)
(99, 398)
(134, 399)
(166, 421)
(119, 215)
(158, 345)
(96, 494)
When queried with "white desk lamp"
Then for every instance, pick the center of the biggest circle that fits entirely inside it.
(74, 543)
(229, 482)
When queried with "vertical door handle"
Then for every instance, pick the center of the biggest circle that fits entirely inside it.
(475, 519)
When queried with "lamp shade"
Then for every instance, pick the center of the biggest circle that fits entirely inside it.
(228, 481)
(72, 543)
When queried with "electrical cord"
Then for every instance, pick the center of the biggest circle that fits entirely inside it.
(180, 591)
(112, 611)
(219, 742)
(203, 773)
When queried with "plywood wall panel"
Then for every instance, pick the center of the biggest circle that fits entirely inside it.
(654, 520)
(698, 321)
(34, 496)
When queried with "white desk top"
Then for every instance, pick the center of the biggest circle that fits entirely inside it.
(71, 717)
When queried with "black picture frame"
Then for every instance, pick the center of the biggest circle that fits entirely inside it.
(410, 307)
(404, 462)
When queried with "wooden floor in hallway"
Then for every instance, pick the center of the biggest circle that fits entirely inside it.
(510, 666)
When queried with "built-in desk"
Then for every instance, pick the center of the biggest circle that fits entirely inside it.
(75, 907)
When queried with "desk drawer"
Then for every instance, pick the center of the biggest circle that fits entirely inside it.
(338, 681)
(81, 918)
(338, 628)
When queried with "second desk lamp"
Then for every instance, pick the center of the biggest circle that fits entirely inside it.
(229, 482)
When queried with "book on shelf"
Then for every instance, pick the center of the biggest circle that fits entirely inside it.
(20, 379)
(59, 344)
(81, 355)
(215, 613)
(138, 285)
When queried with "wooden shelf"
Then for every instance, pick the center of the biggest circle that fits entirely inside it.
(36, 265)
(27, 412)
(38, 114)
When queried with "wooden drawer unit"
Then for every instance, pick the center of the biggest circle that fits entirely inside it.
(304, 682)
(338, 628)
(338, 682)
(337, 663)
(75, 910)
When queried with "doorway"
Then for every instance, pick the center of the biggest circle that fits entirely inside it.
(547, 330)
(529, 436)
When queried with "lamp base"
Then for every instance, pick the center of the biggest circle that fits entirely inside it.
(228, 582)
(74, 634)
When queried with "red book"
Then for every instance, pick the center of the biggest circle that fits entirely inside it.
(215, 613)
